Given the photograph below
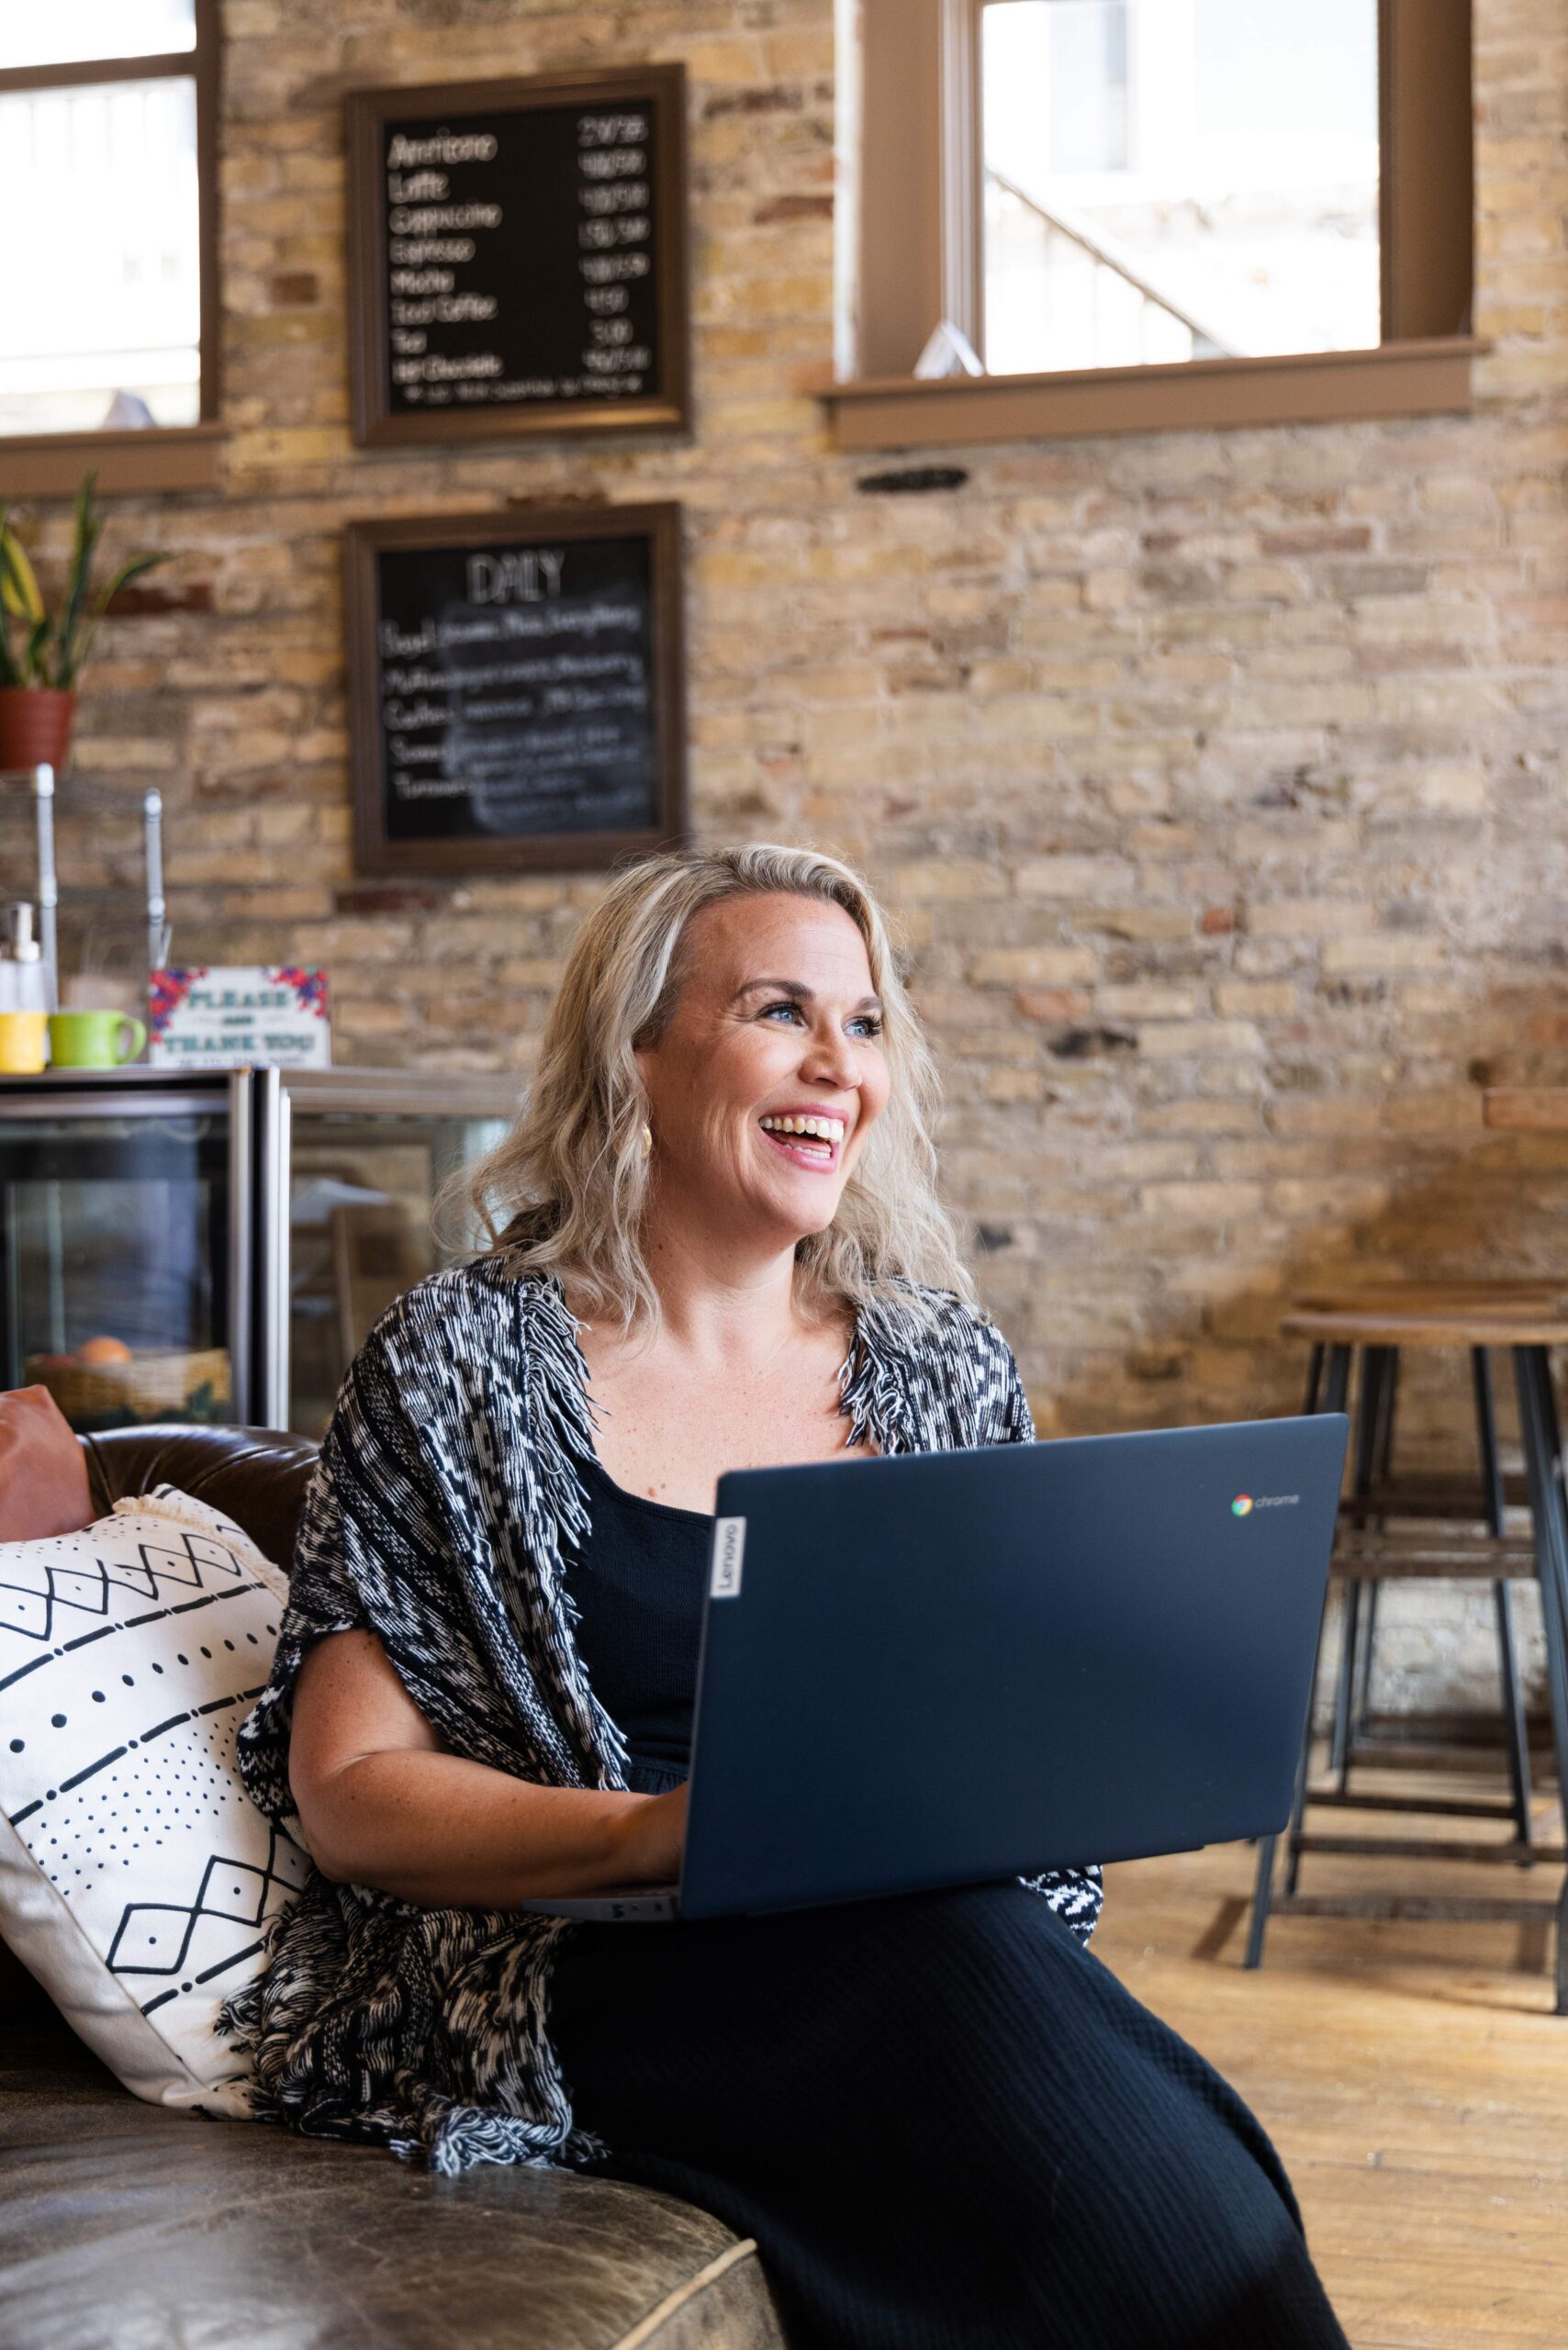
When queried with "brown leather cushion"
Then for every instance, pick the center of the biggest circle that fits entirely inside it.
(123, 2224)
(43, 1485)
(256, 1476)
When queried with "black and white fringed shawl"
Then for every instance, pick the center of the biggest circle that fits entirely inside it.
(447, 1486)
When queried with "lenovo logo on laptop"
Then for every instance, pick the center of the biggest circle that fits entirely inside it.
(1245, 1504)
(729, 1549)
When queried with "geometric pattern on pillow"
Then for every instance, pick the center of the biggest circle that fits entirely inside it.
(136, 1876)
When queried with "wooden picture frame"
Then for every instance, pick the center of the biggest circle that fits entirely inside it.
(517, 549)
(466, 409)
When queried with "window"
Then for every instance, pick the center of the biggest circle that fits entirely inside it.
(1273, 196)
(1177, 179)
(107, 118)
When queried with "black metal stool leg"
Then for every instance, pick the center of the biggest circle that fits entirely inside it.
(1298, 1800)
(1390, 1403)
(1262, 1900)
(1560, 1495)
(1328, 1396)
(1373, 1593)
(1514, 1730)
(1313, 1380)
(1335, 1391)
(1542, 1445)
(1350, 1634)
(1369, 1426)
(1361, 1711)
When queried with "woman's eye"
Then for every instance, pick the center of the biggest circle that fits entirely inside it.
(866, 1026)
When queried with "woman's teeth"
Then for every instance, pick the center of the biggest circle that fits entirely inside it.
(828, 1130)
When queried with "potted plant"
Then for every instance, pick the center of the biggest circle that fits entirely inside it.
(42, 653)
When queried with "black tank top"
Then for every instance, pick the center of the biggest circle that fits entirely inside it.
(638, 1585)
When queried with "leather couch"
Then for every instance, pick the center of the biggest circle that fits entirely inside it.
(124, 2226)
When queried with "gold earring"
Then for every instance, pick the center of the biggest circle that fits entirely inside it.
(648, 1140)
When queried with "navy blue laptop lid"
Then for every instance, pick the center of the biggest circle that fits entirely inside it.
(954, 1667)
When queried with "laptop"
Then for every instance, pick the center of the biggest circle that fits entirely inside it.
(949, 1668)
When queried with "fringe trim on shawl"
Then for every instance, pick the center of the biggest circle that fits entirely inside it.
(313, 2061)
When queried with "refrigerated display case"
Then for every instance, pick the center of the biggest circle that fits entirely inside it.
(355, 1164)
(214, 1246)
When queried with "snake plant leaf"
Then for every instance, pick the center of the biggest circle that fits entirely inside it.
(18, 584)
(22, 670)
(72, 656)
(35, 671)
(87, 530)
(130, 570)
(49, 652)
(7, 661)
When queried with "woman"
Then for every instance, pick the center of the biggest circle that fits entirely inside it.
(943, 2123)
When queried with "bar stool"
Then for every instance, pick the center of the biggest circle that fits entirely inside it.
(1426, 1529)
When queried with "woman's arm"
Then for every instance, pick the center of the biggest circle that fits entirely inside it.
(382, 1803)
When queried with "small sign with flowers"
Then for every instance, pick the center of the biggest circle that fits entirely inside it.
(239, 1016)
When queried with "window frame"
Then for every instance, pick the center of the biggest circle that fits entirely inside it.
(913, 253)
(156, 456)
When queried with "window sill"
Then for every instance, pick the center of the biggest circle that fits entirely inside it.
(147, 457)
(1410, 378)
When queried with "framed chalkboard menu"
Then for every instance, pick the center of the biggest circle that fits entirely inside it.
(515, 687)
(518, 256)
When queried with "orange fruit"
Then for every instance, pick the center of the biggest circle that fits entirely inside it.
(103, 1350)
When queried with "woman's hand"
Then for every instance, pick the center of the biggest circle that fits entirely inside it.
(654, 1834)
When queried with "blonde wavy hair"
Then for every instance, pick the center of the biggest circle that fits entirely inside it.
(565, 1190)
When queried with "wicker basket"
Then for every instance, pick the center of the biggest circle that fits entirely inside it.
(175, 1386)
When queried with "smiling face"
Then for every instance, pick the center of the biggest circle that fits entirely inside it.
(769, 1072)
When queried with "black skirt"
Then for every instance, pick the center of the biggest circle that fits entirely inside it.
(946, 2125)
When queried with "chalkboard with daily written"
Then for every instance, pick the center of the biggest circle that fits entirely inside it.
(515, 687)
(518, 256)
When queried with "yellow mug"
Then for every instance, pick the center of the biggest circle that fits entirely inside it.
(24, 1043)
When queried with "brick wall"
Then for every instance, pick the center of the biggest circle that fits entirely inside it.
(1216, 777)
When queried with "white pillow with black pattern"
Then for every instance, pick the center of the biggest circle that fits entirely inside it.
(136, 1875)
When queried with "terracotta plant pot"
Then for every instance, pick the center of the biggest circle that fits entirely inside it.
(35, 725)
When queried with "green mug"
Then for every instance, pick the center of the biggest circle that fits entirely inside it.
(92, 1039)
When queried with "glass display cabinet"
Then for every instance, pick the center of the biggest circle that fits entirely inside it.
(358, 1200)
(214, 1246)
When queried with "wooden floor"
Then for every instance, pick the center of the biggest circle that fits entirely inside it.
(1413, 2078)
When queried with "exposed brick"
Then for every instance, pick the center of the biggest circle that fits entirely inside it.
(1031, 966)
(1381, 953)
(1328, 538)
(1306, 917)
(1256, 999)
(1051, 1005)
(1198, 1039)
(793, 207)
(1072, 877)
(1202, 1202)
